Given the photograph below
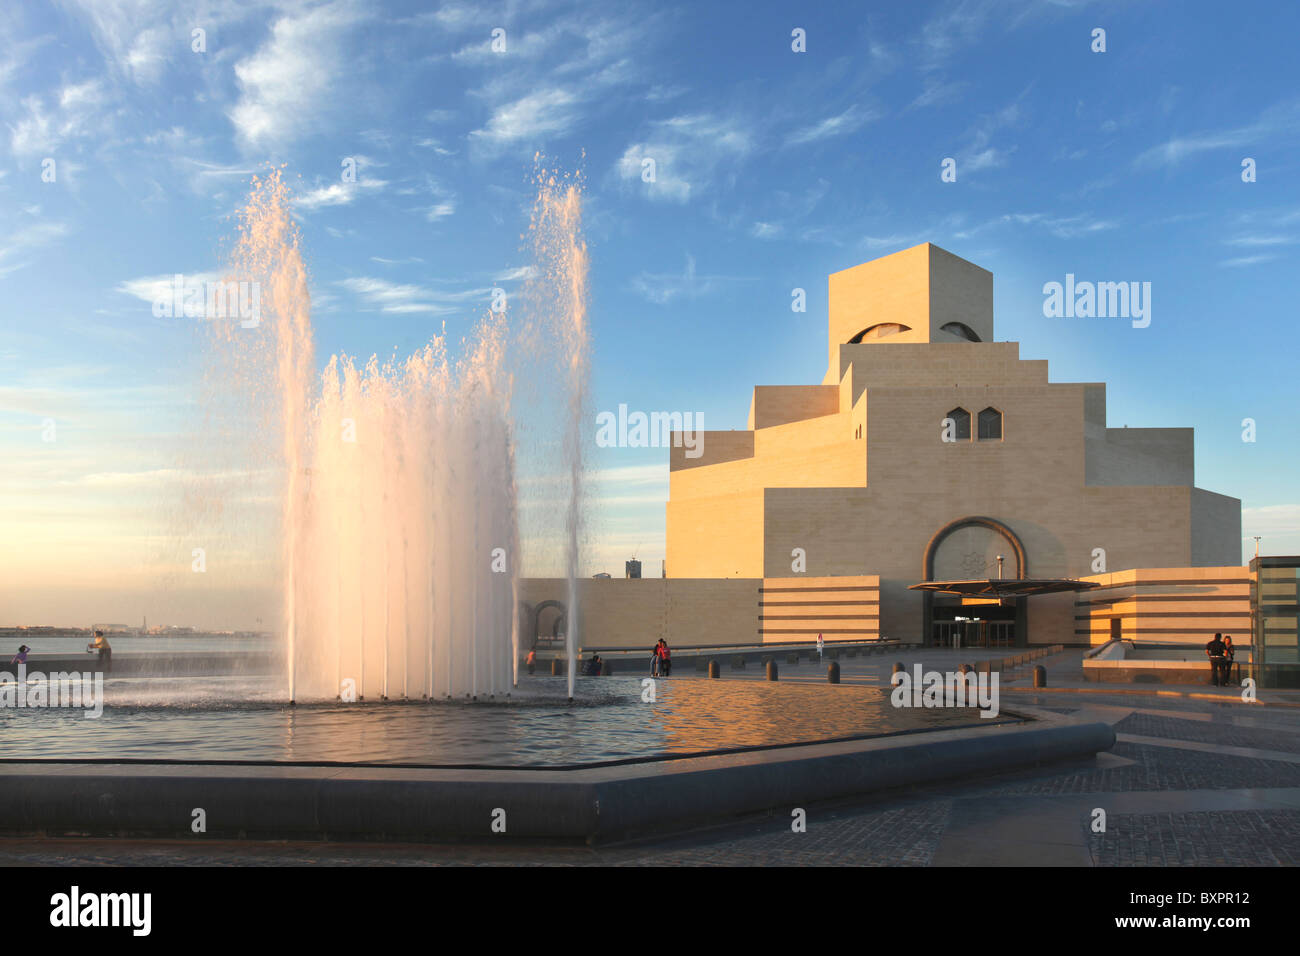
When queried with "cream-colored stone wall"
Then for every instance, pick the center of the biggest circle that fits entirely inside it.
(636, 612)
(798, 608)
(1185, 605)
(779, 404)
(632, 613)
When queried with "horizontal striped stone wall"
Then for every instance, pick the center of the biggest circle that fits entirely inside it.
(1166, 606)
(841, 608)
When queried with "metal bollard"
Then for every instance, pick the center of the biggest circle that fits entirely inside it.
(771, 670)
(714, 670)
(1040, 676)
(833, 673)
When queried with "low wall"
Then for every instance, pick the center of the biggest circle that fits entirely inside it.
(1136, 671)
(637, 612)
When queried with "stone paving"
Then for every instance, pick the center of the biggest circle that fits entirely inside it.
(1190, 782)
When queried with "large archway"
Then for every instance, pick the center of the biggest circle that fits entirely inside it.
(558, 626)
(968, 548)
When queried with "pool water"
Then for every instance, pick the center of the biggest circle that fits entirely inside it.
(608, 721)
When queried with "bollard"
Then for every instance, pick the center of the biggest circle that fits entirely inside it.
(557, 667)
(1040, 676)
(771, 670)
(714, 670)
(833, 673)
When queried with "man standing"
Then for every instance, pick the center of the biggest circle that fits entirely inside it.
(100, 643)
(1216, 651)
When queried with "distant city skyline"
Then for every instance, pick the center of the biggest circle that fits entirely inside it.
(129, 141)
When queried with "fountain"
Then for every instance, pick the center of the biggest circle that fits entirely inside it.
(400, 544)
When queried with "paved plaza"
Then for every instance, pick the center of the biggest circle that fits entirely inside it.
(1190, 782)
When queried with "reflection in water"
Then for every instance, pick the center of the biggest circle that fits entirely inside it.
(608, 721)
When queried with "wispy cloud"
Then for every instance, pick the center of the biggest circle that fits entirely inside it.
(1280, 120)
(661, 288)
(338, 194)
(687, 151)
(384, 296)
(540, 114)
(850, 121)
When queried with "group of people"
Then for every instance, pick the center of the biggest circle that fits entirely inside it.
(98, 644)
(661, 659)
(1220, 652)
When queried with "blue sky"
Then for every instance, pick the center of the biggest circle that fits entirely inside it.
(774, 168)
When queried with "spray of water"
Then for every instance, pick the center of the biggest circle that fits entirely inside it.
(398, 525)
(560, 291)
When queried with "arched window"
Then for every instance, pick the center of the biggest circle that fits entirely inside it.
(961, 329)
(961, 418)
(990, 425)
(879, 331)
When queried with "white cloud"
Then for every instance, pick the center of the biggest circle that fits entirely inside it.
(78, 114)
(440, 211)
(338, 194)
(398, 298)
(687, 151)
(851, 120)
(24, 239)
(542, 113)
(1248, 260)
(286, 84)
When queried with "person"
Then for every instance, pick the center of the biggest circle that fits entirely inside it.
(100, 643)
(593, 665)
(665, 658)
(531, 659)
(21, 656)
(820, 646)
(1229, 652)
(654, 658)
(1214, 651)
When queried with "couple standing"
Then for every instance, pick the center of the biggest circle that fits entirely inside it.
(661, 660)
(1221, 653)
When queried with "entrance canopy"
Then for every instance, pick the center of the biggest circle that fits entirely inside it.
(1005, 587)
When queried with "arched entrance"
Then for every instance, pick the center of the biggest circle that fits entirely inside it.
(558, 625)
(969, 549)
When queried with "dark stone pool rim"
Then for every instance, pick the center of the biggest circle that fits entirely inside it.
(282, 801)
